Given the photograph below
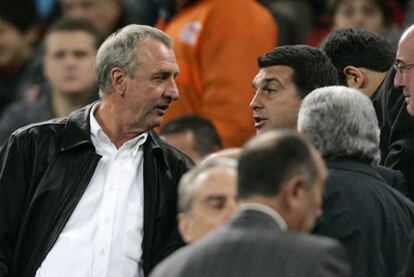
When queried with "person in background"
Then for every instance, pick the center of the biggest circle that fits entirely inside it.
(105, 15)
(371, 15)
(280, 183)
(207, 197)
(68, 64)
(217, 43)
(18, 37)
(371, 219)
(97, 189)
(194, 135)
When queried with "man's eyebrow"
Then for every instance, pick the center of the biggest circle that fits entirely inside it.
(266, 81)
(214, 197)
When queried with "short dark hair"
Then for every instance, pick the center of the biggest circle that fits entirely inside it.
(269, 160)
(206, 137)
(312, 68)
(383, 5)
(359, 48)
(73, 25)
(19, 13)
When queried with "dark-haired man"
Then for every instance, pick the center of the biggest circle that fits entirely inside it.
(362, 60)
(68, 66)
(18, 35)
(287, 74)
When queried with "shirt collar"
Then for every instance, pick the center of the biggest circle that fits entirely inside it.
(265, 209)
(99, 136)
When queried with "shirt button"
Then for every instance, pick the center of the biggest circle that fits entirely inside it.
(106, 220)
(102, 252)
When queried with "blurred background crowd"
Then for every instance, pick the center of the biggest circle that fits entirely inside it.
(216, 43)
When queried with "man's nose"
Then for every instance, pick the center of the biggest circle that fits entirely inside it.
(172, 90)
(399, 80)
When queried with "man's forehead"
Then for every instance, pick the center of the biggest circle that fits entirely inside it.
(214, 178)
(280, 73)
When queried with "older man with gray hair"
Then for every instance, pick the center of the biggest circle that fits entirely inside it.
(372, 219)
(94, 194)
(207, 197)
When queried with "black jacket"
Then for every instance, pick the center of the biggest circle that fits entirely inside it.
(372, 220)
(44, 170)
(397, 130)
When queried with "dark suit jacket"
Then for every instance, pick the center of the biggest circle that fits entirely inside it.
(397, 130)
(371, 219)
(253, 244)
(393, 177)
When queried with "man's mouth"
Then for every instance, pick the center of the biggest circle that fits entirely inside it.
(259, 122)
(162, 109)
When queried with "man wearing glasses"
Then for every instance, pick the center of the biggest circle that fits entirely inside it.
(398, 109)
(404, 77)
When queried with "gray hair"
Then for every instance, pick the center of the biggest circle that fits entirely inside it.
(119, 50)
(341, 123)
(187, 187)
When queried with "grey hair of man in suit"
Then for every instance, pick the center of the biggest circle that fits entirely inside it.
(207, 197)
(281, 170)
(341, 123)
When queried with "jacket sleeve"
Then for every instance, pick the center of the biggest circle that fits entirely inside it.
(13, 189)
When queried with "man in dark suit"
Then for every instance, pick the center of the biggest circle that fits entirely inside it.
(280, 181)
(370, 218)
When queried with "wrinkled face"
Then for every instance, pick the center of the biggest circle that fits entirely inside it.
(184, 141)
(359, 13)
(13, 45)
(102, 14)
(214, 203)
(149, 93)
(276, 101)
(404, 77)
(69, 62)
(312, 199)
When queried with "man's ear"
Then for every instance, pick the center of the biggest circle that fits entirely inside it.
(355, 78)
(293, 193)
(184, 226)
(118, 79)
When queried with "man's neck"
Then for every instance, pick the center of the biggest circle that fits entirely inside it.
(375, 80)
(115, 123)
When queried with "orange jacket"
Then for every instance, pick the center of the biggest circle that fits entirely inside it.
(217, 43)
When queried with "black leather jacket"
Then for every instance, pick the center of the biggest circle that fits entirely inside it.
(44, 170)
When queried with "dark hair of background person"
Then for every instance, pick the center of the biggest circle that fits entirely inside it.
(19, 13)
(72, 25)
(383, 5)
(264, 168)
(312, 67)
(206, 137)
(359, 48)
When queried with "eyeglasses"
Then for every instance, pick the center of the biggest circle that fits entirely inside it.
(402, 68)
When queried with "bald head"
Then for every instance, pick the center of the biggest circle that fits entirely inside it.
(268, 161)
(404, 77)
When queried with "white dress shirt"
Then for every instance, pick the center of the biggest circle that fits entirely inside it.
(103, 236)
